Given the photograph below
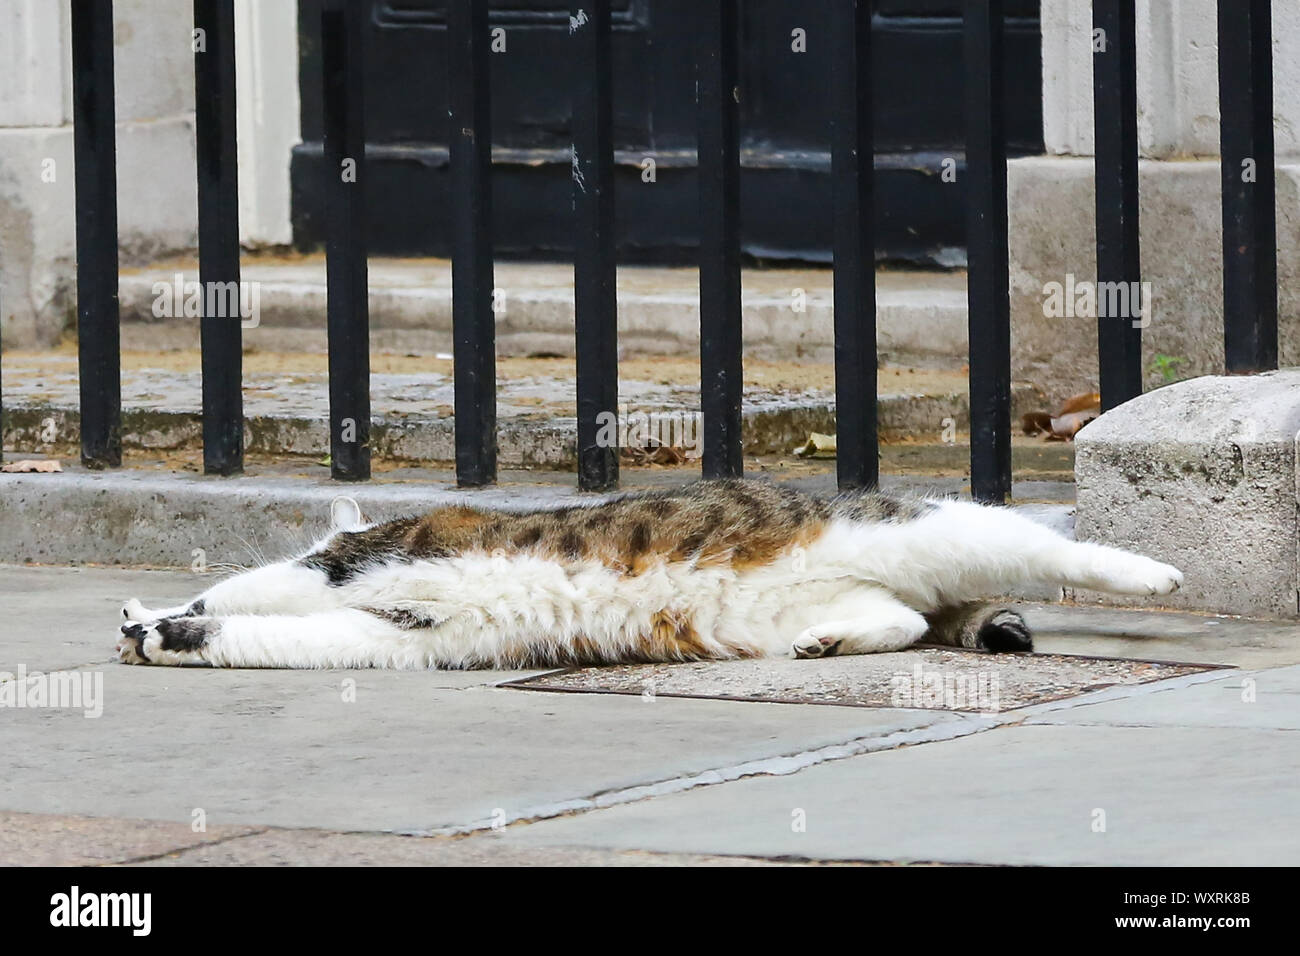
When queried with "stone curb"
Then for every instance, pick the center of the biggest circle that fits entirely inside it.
(155, 519)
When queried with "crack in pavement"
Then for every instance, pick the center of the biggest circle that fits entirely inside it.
(186, 848)
(783, 765)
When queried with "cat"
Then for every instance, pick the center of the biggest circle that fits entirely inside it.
(712, 570)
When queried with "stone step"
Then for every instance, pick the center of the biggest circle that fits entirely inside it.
(287, 411)
(921, 316)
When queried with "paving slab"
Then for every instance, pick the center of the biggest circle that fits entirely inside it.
(1032, 795)
(41, 839)
(438, 751)
(59, 618)
(324, 848)
(1265, 700)
(380, 750)
(1162, 635)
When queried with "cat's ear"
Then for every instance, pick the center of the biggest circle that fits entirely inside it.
(345, 514)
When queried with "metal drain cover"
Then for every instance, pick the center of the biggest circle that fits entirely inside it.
(930, 678)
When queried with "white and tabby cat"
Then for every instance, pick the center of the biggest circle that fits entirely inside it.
(717, 569)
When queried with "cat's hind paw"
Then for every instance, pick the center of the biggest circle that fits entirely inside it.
(1004, 632)
(810, 645)
(135, 612)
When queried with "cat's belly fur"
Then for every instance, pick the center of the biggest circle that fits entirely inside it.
(501, 609)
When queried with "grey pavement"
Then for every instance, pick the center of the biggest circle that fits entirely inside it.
(336, 767)
(35, 839)
(1019, 795)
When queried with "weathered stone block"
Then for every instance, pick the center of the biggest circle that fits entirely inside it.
(1202, 474)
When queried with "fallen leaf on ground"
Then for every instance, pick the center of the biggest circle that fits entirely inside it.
(31, 464)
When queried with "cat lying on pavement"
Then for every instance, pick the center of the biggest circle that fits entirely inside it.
(712, 570)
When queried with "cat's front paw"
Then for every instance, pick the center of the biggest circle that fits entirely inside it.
(130, 646)
(1163, 578)
(1140, 576)
(173, 640)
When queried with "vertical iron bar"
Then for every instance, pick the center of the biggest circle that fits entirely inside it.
(852, 158)
(348, 316)
(594, 259)
(218, 189)
(1249, 214)
(987, 276)
(473, 318)
(95, 150)
(1114, 89)
(717, 96)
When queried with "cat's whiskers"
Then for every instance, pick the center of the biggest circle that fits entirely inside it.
(260, 560)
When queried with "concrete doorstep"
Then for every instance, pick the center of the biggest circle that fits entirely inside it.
(286, 405)
(921, 316)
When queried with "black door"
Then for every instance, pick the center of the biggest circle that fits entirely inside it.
(784, 115)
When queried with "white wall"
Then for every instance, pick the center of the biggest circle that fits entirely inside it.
(1177, 73)
(266, 70)
(154, 98)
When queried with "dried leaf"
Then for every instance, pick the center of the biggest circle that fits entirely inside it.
(44, 465)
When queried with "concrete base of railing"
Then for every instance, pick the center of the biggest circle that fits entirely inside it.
(1202, 474)
(1052, 206)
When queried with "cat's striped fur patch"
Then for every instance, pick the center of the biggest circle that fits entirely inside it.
(738, 523)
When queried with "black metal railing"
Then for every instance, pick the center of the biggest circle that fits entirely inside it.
(347, 301)
(1250, 269)
(717, 83)
(857, 462)
(595, 301)
(988, 298)
(95, 156)
(218, 191)
(1114, 85)
(1249, 190)
(473, 317)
